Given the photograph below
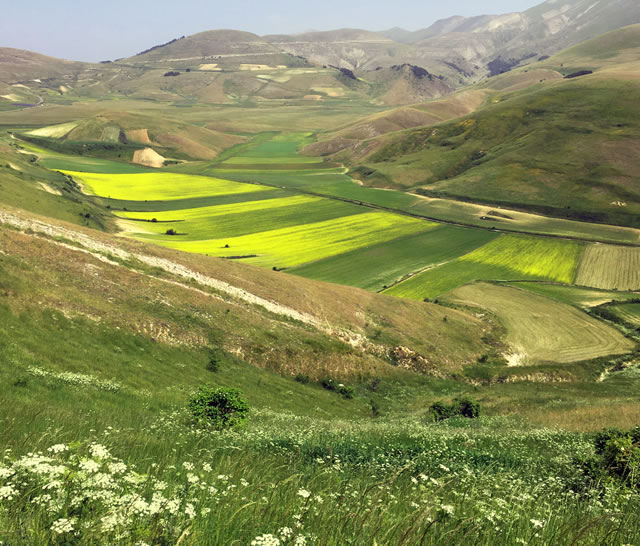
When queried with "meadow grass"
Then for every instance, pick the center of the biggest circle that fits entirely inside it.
(509, 257)
(383, 264)
(291, 246)
(159, 185)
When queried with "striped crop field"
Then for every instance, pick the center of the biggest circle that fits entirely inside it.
(237, 219)
(383, 264)
(296, 245)
(540, 329)
(159, 186)
(609, 267)
(509, 257)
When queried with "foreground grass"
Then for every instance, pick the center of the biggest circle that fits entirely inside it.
(295, 480)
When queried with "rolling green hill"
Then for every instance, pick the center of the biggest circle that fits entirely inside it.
(536, 148)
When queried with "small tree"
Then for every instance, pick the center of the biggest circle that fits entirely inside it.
(221, 407)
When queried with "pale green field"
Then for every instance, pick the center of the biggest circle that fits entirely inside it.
(610, 267)
(292, 246)
(159, 186)
(540, 329)
(55, 131)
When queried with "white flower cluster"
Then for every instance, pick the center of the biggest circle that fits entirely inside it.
(76, 379)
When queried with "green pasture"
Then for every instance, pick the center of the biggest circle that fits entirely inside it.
(383, 264)
(510, 257)
(628, 312)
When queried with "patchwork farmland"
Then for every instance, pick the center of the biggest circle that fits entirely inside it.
(508, 257)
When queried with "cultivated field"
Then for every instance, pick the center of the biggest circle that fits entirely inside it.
(575, 295)
(377, 266)
(158, 185)
(302, 243)
(509, 257)
(606, 266)
(540, 329)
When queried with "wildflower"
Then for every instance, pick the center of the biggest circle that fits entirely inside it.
(537, 523)
(58, 448)
(89, 466)
(99, 451)
(6, 472)
(304, 493)
(300, 541)
(7, 492)
(447, 509)
(190, 510)
(206, 467)
(63, 525)
(265, 540)
(187, 465)
(192, 478)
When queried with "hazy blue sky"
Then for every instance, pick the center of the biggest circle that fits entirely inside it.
(86, 30)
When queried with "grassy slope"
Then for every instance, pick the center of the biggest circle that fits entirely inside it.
(585, 127)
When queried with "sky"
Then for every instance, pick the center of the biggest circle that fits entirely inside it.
(83, 30)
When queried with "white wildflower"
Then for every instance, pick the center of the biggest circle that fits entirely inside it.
(188, 466)
(304, 493)
(266, 540)
(58, 448)
(447, 509)
(285, 533)
(7, 492)
(89, 466)
(63, 525)
(190, 510)
(99, 451)
(537, 523)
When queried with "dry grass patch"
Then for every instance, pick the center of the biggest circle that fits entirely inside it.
(610, 267)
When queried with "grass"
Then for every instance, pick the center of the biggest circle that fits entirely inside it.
(290, 246)
(509, 257)
(540, 329)
(610, 267)
(376, 266)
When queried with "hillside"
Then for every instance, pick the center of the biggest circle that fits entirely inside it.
(539, 141)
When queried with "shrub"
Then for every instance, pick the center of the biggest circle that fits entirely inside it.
(345, 390)
(221, 407)
(216, 357)
(460, 407)
(302, 378)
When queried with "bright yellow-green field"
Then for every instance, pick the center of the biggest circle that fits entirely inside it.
(159, 186)
(292, 246)
(220, 210)
(510, 257)
(545, 258)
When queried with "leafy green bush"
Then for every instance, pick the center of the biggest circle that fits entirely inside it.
(460, 407)
(220, 407)
(216, 357)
